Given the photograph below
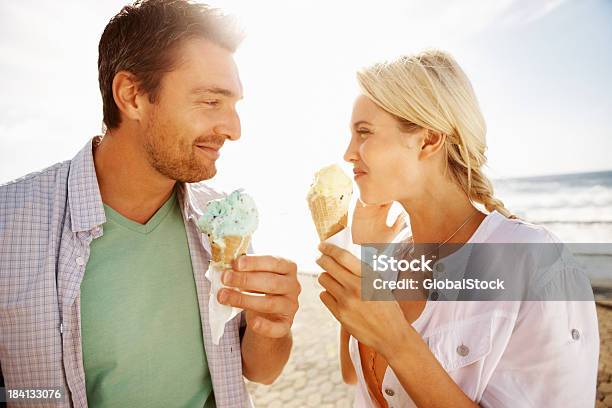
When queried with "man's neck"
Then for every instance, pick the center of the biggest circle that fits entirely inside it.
(128, 183)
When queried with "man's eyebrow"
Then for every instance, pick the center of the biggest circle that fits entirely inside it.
(214, 90)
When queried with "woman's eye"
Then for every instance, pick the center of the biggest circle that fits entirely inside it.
(363, 132)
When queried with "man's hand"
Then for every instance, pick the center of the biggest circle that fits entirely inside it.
(271, 312)
(267, 340)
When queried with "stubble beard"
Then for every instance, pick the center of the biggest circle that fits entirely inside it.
(175, 157)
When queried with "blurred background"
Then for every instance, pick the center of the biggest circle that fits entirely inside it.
(541, 70)
(539, 67)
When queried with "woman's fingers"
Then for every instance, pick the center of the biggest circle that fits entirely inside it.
(330, 303)
(330, 285)
(343, 276)
(343, 257)
(400, 223)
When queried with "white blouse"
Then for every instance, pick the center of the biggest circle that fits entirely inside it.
(505, 353)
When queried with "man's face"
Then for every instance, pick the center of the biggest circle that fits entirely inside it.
(194, 113)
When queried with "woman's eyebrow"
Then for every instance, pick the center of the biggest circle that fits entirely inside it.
(361, 122)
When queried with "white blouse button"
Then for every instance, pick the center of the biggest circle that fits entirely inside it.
(389, 392)
(80, 261)
(463, 350)
(575, 334)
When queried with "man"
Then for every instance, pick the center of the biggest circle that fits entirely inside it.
(102, 286)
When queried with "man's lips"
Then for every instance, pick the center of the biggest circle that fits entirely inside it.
(211, 151)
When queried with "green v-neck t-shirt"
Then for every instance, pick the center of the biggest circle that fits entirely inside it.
(141, 329)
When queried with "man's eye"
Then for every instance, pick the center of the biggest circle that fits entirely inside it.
(211, 102)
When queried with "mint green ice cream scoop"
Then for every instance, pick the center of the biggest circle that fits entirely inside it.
(234, 215)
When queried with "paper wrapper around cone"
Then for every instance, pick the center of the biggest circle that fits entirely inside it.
(222, 257)
(234, 247)
(329, 214)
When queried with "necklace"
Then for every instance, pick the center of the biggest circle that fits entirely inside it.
(411, 250)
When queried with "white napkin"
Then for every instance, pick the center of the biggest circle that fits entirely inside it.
(218, 314)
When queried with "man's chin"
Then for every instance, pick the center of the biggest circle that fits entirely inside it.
(210, 173)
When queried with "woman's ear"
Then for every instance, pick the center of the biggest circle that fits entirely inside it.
(432, 143)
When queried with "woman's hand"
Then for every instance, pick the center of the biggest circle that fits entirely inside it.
(380, 325)
(370, 223)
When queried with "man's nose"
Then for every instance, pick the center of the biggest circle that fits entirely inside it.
(229, 126)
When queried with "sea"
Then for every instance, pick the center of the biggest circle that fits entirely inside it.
(576, 207)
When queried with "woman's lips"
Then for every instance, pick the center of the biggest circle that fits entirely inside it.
(211, 152)
(358, 173)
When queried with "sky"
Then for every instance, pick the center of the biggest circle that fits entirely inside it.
(540, 69)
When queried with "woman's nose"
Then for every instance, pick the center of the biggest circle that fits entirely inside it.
(351, 154)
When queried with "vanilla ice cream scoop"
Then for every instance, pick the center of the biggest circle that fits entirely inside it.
(331, 181)
(329, 198)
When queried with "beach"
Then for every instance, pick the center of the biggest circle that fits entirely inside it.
(312, 376)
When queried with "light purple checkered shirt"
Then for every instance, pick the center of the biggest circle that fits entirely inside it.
(47, 222)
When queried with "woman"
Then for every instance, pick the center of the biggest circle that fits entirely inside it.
(418, 138)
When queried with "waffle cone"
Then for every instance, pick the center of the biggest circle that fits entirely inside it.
(329, 214)
(234, 247)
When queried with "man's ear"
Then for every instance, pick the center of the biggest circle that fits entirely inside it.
(432, 143)
(125, 93)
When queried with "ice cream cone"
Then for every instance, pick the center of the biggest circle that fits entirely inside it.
(329, 214)
(233, 247)
(329, 197)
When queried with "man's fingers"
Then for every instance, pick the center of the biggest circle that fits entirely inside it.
(262, 282)
(342, 257)
(269, 304)
(271, 327)
(267, 263)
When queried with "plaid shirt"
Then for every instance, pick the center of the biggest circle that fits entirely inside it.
(47, 222)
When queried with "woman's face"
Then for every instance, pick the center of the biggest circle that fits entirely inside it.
(386, 161)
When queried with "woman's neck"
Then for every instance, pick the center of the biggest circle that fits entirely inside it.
(440, 214)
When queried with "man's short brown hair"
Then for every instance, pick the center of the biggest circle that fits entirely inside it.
(143, 38)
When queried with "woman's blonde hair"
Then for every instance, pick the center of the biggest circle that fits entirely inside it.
(430, 90)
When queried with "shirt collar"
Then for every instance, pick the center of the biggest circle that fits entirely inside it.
(86, 208)
(85, 201)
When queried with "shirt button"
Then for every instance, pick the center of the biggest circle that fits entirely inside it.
(434, 295)
(575, 334)
(463, 350)
(389, 392)
(80, 261)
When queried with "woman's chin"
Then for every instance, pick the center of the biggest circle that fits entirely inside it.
(370, 199)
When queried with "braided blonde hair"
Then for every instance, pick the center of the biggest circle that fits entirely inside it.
(431, 91)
